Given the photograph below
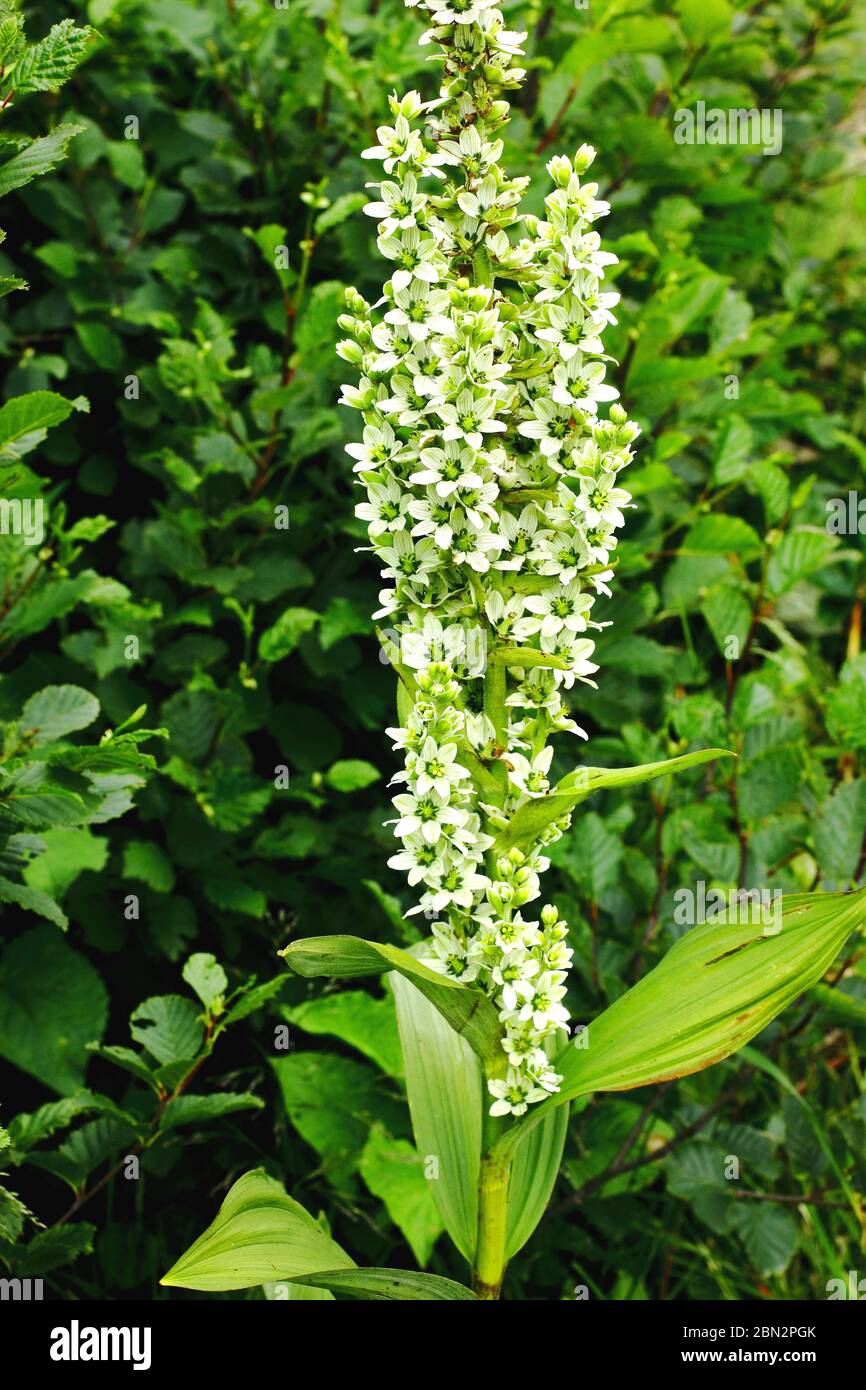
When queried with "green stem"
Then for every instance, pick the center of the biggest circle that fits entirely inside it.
(494, 700)
(492, 1225)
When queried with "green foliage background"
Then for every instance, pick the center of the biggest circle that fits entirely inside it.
(212, 135)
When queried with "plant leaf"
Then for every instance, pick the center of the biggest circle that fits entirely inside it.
(469, 1012)
(715, 989)
(531, 819)
(38, 157)
(259, 1234)
(389, 1284)
(52, 1004)
(533, 1176)
(444, 1085)
(394, 1172)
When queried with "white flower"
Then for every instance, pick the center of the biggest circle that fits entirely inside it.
(492, 504)
(530, 777)
(469, 418)
(448, 956)
(399, 205)
(418, 859)
(431, 815)
(544, 1010)
(433, 518)
(480, 731)
(421, 310)
(398, 144)
(474, 547)
(459, 11)
(447, 469)
(436, 769)
(515, 1094)
(416, 256)
(395, 350)
(513, 976)
(506, 618)
(551, 426)
(381, 447)
(576, 651)
(457, 886)
(581, 383)
(558, 608)
(564, 555)
(567, 330)
(405, 559)
(519, 533)
(601, 500)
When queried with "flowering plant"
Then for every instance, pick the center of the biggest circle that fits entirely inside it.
(493, 501)
(493, 498)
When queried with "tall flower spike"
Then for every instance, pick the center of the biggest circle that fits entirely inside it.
(493, 501)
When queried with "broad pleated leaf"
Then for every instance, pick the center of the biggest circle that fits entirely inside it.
(389, 1284)
(469, 1012)
(259, 1235)
(719, 986)
(532, 818)
(444, 1085)
(533, 1175)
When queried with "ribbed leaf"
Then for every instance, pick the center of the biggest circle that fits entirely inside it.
(444, 1086)
(532, 818)
(533, 1175)
(389, 1284)
(259, 1235)
(715, 989)
(469, 1012)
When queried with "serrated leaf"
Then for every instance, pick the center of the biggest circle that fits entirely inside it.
(769, 1233)
(46, 65)
(196, 1110)
(52, 1249)
(168, 1027)
(38, 157)
(25, 420)
(33, 900)
(205, 975)
(58, 710)
(394, 1172)
(146, 861)
(279, 640)
(356, 1018)
(798, 554)
(52, 1003)
(130, 1061)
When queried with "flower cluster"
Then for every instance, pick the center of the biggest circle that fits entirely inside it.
(493, 501)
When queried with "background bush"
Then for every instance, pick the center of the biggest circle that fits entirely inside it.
(186, 266)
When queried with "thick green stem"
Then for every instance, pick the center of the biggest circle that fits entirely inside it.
(492, 1225)
(495, 690)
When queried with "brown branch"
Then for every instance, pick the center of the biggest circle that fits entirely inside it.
(620, 1169)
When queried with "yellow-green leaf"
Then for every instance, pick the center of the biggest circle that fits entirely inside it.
(259, 1235)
